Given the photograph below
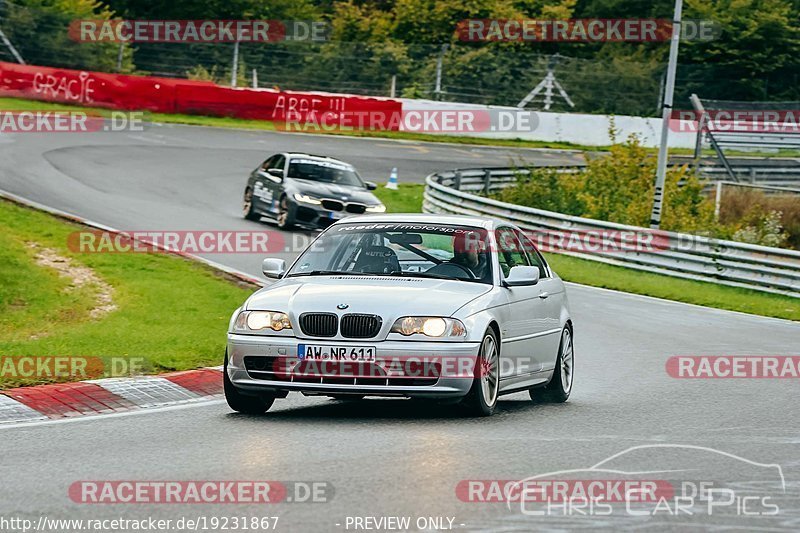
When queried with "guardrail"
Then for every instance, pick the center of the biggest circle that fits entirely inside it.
(680, 255)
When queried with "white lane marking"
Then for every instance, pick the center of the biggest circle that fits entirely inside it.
(149, 391)
(35, 423)
(12, 411)
(148, 139)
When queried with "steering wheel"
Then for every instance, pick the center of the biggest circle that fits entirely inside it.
(442, 268)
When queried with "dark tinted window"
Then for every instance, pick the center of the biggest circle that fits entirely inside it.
(416, 250)
(510, 252)
(323, 171)
(533, 254)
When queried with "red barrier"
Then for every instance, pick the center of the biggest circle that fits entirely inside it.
(167, 95)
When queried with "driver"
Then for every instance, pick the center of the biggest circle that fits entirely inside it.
(468, 253)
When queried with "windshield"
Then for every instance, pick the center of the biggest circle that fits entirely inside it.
(324, 171)
(399, 249)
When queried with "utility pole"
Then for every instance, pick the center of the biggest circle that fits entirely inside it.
(438, 89)
(235, 67)
(120, 52)
(661, 168)
(11, 48)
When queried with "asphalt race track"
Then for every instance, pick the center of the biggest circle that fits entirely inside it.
(394, 457)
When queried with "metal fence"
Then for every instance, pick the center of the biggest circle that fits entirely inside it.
(723, 262)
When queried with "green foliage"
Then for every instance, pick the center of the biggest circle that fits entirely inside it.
(762, 228)
(758, 49)
(618, 188)
(39, 31)
(756, 55)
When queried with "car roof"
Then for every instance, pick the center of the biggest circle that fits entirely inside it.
(425, 218)
(313, 156)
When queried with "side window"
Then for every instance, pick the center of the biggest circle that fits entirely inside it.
(278, 162)
(509, 251)
(533, 254)
(265, 165)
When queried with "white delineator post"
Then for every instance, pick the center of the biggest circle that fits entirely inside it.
(669, 90)
(392, 183)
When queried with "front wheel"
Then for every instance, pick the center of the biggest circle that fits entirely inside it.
(251, 405)
(248, 210)
(285, 215)
(482, 397)
(560, 385)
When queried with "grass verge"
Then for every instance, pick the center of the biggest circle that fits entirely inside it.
(171, 313)
(406, 199)
(624, 279)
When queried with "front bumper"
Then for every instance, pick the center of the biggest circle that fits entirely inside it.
(452, 380)
(316, 216)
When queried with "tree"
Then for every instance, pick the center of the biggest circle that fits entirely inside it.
(39, 30)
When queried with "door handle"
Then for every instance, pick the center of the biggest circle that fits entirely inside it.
(544, 295)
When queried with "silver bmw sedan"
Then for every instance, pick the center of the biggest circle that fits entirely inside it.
(447, 308)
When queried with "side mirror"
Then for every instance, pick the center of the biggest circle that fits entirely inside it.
(521, 276)
(371, 185)
(273, 268)
(275, 173)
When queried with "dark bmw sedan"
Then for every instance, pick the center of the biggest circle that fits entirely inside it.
(297, 189)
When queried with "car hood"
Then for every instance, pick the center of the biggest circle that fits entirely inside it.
(389, 297)
(345, 193)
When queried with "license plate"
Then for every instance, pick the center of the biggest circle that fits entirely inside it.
(323, 352)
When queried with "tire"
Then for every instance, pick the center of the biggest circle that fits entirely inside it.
(285, 215)
(248, 210)
(559, 387)
(482, 397)
(241, 403)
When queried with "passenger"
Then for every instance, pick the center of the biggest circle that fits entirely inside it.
(469, 252)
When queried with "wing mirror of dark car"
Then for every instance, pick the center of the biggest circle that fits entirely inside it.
(275, 173)
(371, 185)
(273, 268)
(521, 276)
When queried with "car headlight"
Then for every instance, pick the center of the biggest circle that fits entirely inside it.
(306, 199)
(379, 208)
(259, 320)
(430, 326)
